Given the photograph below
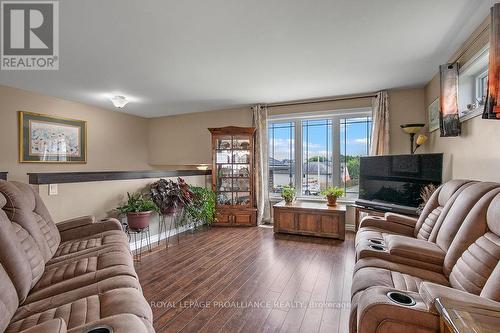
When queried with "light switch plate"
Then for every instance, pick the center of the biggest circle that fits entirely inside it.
(53, 189)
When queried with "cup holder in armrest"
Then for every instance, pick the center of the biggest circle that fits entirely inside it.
(376, 241)
(100, 329)
(377, 247)
(400, 298)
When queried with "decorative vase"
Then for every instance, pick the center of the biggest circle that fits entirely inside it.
(138, 221)
(289, 201)
(332, 200)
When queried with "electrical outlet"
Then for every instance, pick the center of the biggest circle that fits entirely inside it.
(53, 189)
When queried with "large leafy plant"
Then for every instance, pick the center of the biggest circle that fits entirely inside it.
(202, 207)
(137, 203)
(169, 195)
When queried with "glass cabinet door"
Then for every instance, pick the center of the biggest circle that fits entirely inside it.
(232, 162)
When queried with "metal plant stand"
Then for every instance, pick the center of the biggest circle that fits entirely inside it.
(175, 223)
(141, 233)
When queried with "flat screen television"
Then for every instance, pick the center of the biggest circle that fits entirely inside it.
(394, 182)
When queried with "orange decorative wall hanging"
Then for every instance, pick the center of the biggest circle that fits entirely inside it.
(492, 105)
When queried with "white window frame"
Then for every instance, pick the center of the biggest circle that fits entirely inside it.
(478, 86)
(334, 116)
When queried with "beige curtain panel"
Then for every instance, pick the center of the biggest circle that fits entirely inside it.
(261, 164)
(380, 125)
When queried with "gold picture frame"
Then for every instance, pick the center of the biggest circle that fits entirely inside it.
(51, 139)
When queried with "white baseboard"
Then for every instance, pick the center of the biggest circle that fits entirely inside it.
(154, 238)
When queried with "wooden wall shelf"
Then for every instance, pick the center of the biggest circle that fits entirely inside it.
(82, 177)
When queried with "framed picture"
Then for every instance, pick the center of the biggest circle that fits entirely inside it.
(433, 114)
(48, 139)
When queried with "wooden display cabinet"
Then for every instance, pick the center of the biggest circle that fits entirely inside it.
(233, 175)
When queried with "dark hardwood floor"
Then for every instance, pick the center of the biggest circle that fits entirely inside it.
(245, 280)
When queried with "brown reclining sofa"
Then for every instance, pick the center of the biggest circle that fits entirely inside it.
(73, 276)
(394, 289)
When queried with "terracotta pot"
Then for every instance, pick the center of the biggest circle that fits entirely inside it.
(332, 200)
(139, 220)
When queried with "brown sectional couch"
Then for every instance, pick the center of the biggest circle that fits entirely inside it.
(72, 276)
(466, 232)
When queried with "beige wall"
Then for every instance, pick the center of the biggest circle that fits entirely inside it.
(116, 141)
(473, 155)
(185, 140)
(406, 106)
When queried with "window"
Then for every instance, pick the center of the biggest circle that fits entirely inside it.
(326, 146)
(473, 85)
(317, 156)
(355, 138)
(281, 155)
(481, 87)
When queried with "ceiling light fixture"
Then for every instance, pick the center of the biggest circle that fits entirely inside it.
(119, 101)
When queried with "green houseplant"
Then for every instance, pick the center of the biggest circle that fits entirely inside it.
(288, 193)
(202, 207)
(138, 210)
(332, 193)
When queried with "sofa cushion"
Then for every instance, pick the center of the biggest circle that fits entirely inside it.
(371, 272)
(77, 247)
(83, 271)
(8, 299)
(25, 207)
(19, 254)
(416, 249)
(84, 310)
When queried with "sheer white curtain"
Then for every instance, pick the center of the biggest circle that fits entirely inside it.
(261, 164)
(380, 125)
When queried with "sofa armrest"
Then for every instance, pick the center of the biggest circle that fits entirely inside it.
(75, 223)
(121, 323)
(382, 223)
(91, 229)
(401, 219)
(376, 312)
(430, 291)
(413, 248)
(56, 325)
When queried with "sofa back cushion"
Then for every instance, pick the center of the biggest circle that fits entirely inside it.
(8, 299)
(435, 206)
(474, 253)
(25, 207)
(457, 214)
(19, 255)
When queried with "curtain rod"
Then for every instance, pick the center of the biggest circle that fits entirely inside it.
(333, 99)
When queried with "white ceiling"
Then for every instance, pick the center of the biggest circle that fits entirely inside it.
(185, 56)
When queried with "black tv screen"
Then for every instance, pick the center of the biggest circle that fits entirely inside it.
(397, 180)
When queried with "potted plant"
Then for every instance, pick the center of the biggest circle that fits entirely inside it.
(202, 207)
(288, 193)
(138, 210)
(332, 193)
(169, 195)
